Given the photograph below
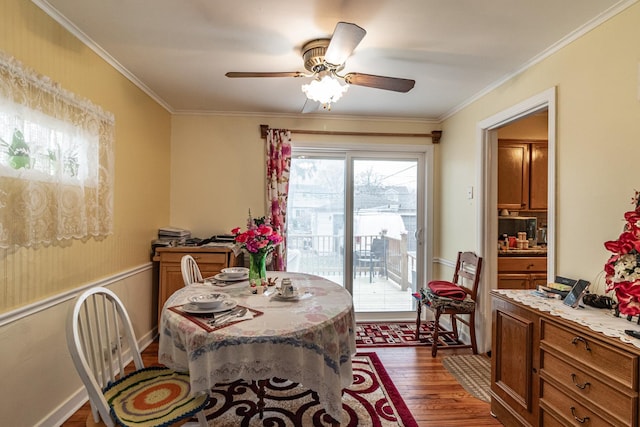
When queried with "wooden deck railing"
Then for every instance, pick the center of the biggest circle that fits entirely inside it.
(323, 255)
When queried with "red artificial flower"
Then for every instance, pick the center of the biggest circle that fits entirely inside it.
(628, 295)
(626, 250)
(260, 236)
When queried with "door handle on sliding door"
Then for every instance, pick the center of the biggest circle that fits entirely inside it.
(418, 236)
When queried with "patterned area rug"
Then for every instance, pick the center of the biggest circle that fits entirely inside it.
(396, 334)
(473, 372)
(372, 400)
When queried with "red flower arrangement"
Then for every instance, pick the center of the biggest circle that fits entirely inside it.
(259, 237)
(622, 270)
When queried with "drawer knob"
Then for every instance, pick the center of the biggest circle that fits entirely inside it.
(575, 417)
(530, 266)
(578, 339)
(580, 386)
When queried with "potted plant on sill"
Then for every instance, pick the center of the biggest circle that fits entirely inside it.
(18, 151)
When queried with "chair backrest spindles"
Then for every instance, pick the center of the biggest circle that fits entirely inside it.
(95, 329)
(469, 268)
(190, 270)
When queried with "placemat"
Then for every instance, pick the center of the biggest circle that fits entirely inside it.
(205, 320)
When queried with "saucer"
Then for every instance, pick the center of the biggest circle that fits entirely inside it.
(226, 305)
(293, 297)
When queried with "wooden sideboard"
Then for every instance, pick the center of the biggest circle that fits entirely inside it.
(211, 260)
(550, 371)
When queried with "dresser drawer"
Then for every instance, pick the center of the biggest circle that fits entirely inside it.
(585, 385)
(573, 412)
(522, 264)
(201, 258)
(549, 419)
(590, 354)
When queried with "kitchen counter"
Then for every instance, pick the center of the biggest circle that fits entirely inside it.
(534, 251)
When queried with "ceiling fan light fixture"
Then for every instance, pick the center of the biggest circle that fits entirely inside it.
(325, 89)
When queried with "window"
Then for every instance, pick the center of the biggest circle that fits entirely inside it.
(56, 162)
(36, 146)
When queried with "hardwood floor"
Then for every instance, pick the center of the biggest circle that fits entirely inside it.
(432, 395)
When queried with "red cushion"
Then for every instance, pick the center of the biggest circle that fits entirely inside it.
(447, 289)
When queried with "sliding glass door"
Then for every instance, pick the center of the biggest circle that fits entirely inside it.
(353, 218)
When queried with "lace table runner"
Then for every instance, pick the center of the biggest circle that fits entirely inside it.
(596, 319)
(207, 321)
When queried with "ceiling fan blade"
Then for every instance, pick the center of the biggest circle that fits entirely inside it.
(310, 106)
(380, 82)
(234, 74)
(344, 40)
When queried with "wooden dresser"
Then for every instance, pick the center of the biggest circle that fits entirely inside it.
(211, 260)
(550, 371)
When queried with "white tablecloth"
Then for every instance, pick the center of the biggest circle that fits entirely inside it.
(309, 341)
(596, 319)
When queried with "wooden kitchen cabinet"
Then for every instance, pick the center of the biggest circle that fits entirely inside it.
(522, 175)
(513, 175)
(521, 272)
(548, 370)
(211, 260)
(538, 176)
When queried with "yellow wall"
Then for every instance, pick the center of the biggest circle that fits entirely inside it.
(218, 162)
(142, 150)
(598, 144)
(35, 365)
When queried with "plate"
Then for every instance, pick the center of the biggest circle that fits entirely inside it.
(225, 278)
(235, 271)
(208, 300)
(227, 305)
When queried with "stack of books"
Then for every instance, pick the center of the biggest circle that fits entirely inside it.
(172, 236)
(561, 286)
(173, 232)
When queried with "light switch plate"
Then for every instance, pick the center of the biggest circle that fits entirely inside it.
(469, 192)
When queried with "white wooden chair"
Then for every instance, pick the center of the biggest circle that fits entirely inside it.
(101, 341)
(190, 270)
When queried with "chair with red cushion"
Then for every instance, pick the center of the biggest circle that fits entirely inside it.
(455, 298)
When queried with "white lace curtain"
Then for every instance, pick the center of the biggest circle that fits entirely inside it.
(56, 162)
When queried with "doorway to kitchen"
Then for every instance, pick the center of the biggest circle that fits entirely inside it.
(488, 177)
(357, 218)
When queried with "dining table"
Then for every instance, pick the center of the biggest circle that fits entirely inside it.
(307, 338)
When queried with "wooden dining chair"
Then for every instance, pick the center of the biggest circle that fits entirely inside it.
(455, 298)
(190, 270)
(101, 340)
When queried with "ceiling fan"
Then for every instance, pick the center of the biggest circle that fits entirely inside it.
(324, 59)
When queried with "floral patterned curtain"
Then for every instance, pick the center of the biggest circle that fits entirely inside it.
(56, 162)
(278, 164)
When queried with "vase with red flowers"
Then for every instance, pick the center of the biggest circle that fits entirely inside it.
(259, 240)
(622, 270)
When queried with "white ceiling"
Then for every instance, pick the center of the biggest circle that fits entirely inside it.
(179, 50)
